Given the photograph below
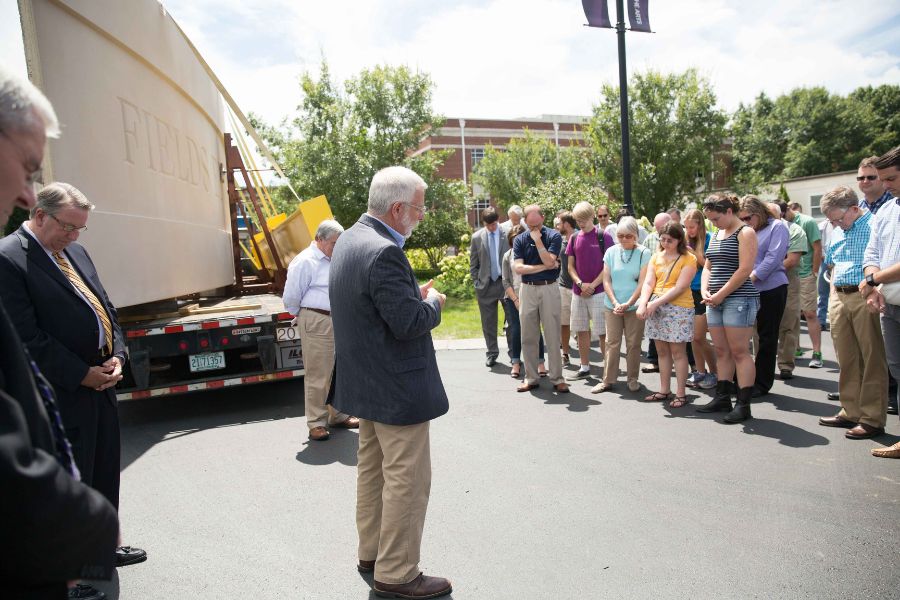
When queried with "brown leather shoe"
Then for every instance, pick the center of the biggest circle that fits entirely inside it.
(319, 434)
(527, 387)
(420, 587)
(348, 423)
(562, 388)
(890, 452)
(365, 566)
(863, 432)
(836, 422)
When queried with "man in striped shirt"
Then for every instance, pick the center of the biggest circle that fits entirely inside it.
(855, 330)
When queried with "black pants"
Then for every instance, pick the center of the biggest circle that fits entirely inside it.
(768, 319)
(95, 443)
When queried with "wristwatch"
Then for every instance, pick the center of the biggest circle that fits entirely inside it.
(870, 279)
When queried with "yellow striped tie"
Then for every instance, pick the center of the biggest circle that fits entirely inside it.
(82, 287)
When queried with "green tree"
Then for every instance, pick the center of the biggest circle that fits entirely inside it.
(341, 137)
(810, 131)
(563, 193)
(508, 174)
(675, 130)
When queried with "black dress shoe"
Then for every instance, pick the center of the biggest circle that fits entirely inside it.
(491, 361)
(127, 555)
(651, 368)
(834, 396)
(82, 591)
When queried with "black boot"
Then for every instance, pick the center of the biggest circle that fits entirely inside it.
(741, 410)
(721, 402)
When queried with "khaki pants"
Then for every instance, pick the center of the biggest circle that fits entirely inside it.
(393, 485)
(317, 343)
(789, 330)
(540, 305)
(863, 379)
(633, 328)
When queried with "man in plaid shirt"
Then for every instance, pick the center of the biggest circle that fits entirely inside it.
(854, 329)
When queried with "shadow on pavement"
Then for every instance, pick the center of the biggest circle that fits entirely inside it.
(575, 402)
(787, 435)
(802, 405)
(150, 421)
(340, 447)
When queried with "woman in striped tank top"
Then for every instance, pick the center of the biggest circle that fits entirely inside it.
(732, 303)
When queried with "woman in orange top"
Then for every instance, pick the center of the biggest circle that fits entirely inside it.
(668, 306)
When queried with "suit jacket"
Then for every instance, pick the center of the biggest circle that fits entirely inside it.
(480, 258)
(53, 528)
(59, 329)
(385, 365)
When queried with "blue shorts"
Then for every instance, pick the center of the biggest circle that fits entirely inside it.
(734, 312)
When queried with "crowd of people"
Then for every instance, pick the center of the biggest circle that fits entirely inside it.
(719, 293)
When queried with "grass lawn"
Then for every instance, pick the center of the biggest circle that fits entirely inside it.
(460, 320)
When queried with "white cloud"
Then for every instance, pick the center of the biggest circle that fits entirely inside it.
(509, 58)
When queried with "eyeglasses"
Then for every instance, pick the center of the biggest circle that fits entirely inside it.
(840, 218)
(35, 173)
(867, 177)
(422, 209)
(667, 240)
(747, 219)
(606, 216)
(68, 227)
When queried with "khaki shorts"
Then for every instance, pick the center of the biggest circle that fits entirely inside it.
(565, 298)
(809, 294)
(586, 311)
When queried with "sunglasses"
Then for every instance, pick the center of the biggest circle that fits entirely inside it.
(867, 177)
(747, 219)
(606, 216)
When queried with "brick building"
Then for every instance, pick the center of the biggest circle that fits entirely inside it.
(469, 137)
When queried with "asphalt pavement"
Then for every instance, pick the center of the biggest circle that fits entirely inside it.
(537, 495)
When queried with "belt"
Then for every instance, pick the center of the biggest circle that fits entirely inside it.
(327, 313)
(548, 282)
(847, 289)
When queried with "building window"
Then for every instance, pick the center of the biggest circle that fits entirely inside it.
(814, 211)
(481, 203)
(477, 155)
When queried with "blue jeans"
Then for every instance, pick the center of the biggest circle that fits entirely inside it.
(824, 293)
(514, 334)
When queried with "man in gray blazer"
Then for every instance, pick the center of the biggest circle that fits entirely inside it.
(386, 373)
(487, 250)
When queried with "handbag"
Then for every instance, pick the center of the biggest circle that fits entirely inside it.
(891, 292)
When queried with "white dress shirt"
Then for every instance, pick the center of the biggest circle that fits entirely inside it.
(307, 281)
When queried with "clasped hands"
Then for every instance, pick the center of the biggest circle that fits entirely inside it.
(104, 376)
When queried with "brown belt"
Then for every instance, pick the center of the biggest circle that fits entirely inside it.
(539, 282)
(847, 289)
(327, 313)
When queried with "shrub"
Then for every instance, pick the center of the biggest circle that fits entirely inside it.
(455, 279)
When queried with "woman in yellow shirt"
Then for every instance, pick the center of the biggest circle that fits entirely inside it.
(668, 306)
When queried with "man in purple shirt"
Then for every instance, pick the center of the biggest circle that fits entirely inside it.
(770, 279)
(585, 250)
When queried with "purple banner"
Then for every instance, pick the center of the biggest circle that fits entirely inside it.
(597, 13)
(638, 15)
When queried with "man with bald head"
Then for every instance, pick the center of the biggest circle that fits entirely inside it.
(56, 529)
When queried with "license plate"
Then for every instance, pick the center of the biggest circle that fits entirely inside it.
(287, 333)
(207, 362)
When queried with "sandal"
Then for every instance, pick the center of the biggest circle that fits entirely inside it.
(678, 402)
(657, 397)
(516, 371)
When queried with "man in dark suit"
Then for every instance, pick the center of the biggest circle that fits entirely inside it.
(386, 373)
(487, 250)
(53, 529)
(62, 313)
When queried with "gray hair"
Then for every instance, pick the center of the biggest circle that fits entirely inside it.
(628, 224)
(393, 184)
(57, 196)
(838, 198)
(327, 229)
(24, 107)
(515, 208)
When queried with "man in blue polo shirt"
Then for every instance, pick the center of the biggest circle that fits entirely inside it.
(536, 259)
